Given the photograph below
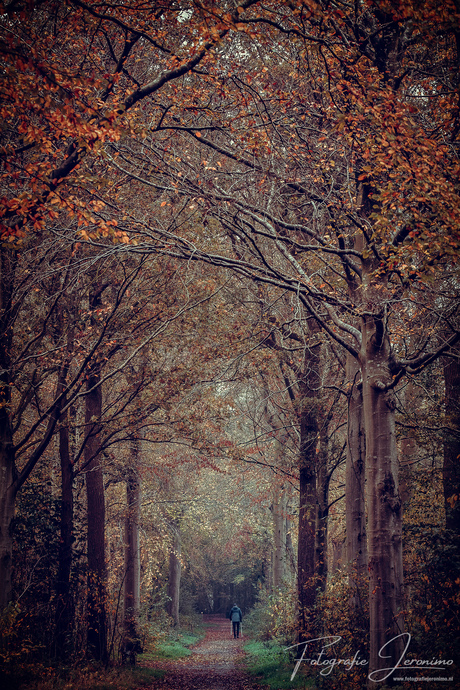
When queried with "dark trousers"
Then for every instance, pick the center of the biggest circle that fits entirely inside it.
(236, 628)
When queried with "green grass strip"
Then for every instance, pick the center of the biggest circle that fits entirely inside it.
(270, 665)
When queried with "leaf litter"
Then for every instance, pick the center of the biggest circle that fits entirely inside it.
(216, 663)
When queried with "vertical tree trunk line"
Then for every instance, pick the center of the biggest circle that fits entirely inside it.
(322, 508)
(383, 501)
(97, 621)
(175, 569)
(65, 609)
(309, 450)
(7, 457)
(279, 536)
(95, 506)
(131, 589)
(7, 504)
(355, 512)
(64, 606)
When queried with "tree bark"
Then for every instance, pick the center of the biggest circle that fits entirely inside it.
(355, 512)
(322, 510)
(8, 489)
(95, 498)
(383, 501)
(97, 623)
(131, 641)
(306, 542)
(7, 502)
(291, 559)
(309, 433)
(174, 574)
(64, 606)
(279, 536)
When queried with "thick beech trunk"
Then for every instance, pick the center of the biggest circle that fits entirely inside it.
(383, 502)
(174, 574)
(306, 541)
(355, 512)
(309, 440)
(451, 467)
(131, 641)
(97, 623)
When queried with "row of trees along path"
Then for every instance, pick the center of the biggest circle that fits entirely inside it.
(215, 664)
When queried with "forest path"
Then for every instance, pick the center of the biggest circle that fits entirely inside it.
(215, 663)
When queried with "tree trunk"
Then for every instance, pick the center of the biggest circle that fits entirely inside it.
(64, 606)
(7, 496)
(65, 609)
(7, 460)
(279, 527)
(131, 641)
(279, 536)
(355, 512)
(383, 501)
(97, 623)
(309, 430)
(7, 502)
(321, 563)
(306, 543)
(322, 511)
(174, 574)
(451, 467)
(291, 560)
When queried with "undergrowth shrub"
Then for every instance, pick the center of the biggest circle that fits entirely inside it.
(340, 619)
(347, 627)
(433, 596)
(431, 572)
(274, 616)
(153, 629)
(16, 640)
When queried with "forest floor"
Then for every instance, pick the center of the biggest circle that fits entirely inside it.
(216, 663)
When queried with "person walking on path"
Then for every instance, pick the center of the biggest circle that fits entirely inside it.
(236, 617)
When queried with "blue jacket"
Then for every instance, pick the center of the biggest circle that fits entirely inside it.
(236, 615)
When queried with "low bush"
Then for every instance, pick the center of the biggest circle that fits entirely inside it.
(274, 617)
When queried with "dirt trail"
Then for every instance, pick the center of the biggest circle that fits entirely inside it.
(216, 663)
